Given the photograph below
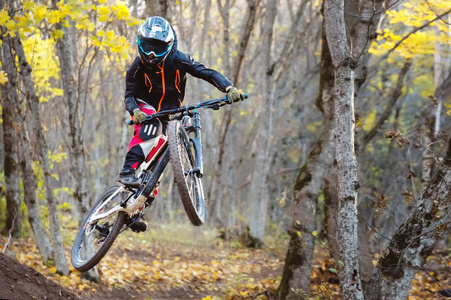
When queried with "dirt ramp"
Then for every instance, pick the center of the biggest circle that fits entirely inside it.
(21, 282)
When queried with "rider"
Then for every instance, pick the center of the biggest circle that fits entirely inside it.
(156, 81)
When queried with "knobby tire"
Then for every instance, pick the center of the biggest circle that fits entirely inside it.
(84, 265)
(182, 155)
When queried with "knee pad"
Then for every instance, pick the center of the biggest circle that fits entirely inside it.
(150, 130)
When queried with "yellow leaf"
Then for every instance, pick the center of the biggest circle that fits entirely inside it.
(54, 17)
(109, 34)
(103, 18)
(122, 12)
(57, 34)
(39, 12)
(3, 17)
(370, 120)
(27, 5)
(314, 233)
(358, 123)
(3, 77)
(103, 10)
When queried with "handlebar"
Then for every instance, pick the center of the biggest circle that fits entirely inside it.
(213, 104)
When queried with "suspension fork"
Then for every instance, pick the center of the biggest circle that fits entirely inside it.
(197, 143)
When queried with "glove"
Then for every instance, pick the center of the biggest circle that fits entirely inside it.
(234, 95)
(138, 116)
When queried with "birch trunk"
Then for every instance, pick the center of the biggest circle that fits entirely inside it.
(415, 239)
(35, 121)
(258, 192)
(25, 156)
(344, 65)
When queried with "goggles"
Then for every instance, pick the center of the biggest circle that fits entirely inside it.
(157, 49)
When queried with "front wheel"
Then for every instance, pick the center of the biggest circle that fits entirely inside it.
(189, 184)
(94, 240)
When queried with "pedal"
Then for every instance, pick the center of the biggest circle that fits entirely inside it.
(137, 224)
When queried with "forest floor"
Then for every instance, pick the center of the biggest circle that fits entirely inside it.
(182, 262)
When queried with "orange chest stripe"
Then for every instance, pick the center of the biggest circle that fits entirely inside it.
(177, 80)
(147, 82)
(164, 87)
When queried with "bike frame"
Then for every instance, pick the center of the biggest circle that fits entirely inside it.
(160, 160)
(135, 201)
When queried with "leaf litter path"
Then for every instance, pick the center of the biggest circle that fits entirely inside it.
(176, 271)
(161, 265)
(143, 267)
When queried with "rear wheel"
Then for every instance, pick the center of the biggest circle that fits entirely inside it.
(94, 240)
(188, 182)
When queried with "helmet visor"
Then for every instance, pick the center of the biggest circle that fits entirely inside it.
(152, 47)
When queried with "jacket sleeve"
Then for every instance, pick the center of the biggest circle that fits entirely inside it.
(198, 70)
(130, 87)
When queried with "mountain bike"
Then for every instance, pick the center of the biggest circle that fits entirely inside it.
(120, 206)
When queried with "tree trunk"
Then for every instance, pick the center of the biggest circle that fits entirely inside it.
(433, 119)
(68, 61)
(362, 32)
(297, 271)
(35, 121)
(216, 184)
(330, 212)
(258, 192)
(13, 221)
(157, 8)
(415, 239)
(344, 64)
(25, 156)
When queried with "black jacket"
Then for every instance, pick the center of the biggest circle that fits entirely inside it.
(164, 86)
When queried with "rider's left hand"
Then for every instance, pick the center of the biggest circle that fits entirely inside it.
(234, 95)
(138, 116)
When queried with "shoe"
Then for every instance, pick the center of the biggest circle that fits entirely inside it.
(137, 223)
(127, 177)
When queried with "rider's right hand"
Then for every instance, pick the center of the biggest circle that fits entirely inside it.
(138, 116)
(234, 95)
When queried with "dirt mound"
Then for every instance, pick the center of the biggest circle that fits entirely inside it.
(21, 282)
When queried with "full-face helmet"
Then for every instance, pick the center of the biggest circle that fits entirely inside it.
(155, 39)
